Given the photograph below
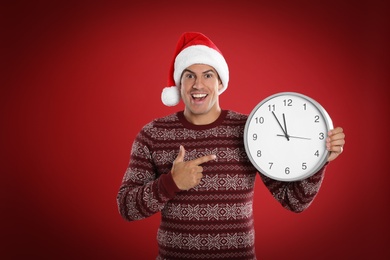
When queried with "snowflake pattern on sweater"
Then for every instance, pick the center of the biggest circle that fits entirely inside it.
(213, 220)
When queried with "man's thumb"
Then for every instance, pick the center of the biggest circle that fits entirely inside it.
(180, 156)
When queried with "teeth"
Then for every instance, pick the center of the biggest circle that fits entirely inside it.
(199, 95)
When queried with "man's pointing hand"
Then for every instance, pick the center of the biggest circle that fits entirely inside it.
(188, 174)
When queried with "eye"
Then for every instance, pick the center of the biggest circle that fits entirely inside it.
(208, 75)
(189, 76)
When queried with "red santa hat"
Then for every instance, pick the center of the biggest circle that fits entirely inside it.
(193, 48)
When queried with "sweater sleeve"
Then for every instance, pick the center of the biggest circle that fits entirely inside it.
(142, 193)
(295, 196)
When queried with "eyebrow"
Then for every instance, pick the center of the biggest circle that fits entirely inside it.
(204, 72)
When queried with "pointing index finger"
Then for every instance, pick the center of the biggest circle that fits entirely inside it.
(204, 159)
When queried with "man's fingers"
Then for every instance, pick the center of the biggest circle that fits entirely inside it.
(204, 159)
(335, 131)
(198, 161)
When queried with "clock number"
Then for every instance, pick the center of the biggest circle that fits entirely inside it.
(322, 136)
(259, 120)
(317, 153)
(271, 107)
(304, 166)
(287, 170)
(258, 153)
(304, 106)
(270, 165)
(317, 119)
(287, 102)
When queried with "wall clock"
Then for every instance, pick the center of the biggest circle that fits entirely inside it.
(285, 136)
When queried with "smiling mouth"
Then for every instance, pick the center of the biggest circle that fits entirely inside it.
(199, 97)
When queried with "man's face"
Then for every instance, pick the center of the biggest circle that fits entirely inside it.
(199, 89)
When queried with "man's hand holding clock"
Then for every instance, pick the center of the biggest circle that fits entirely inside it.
(335, 143)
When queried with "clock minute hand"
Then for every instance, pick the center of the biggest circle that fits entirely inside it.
(285, 134)
(285, 126)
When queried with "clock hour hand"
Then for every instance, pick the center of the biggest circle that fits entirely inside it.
(285, 134)
(297, 137)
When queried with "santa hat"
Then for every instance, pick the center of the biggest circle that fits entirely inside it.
(193, 48)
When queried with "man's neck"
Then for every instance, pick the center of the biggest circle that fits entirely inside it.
(202, 119)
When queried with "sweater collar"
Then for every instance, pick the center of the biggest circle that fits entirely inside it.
(189, 125)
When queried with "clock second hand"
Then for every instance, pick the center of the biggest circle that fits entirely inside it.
(297, 137)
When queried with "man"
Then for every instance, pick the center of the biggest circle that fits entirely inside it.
(192, 165)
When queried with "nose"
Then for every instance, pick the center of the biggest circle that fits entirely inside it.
(198, 84)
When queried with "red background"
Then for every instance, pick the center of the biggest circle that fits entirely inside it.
(80, 79)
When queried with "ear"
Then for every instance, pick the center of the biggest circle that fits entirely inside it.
(220, 85)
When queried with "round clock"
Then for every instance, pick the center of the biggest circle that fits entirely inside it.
(285, 136)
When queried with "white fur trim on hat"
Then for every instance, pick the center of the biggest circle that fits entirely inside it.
(201, 54)
(170, 96)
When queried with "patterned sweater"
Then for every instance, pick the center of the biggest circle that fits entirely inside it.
(214, 220)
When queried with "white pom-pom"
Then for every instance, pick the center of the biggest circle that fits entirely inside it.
(170, 96)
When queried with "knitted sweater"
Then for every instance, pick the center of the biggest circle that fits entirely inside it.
(213, 220)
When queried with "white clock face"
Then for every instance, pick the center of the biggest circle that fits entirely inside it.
(285, 136)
